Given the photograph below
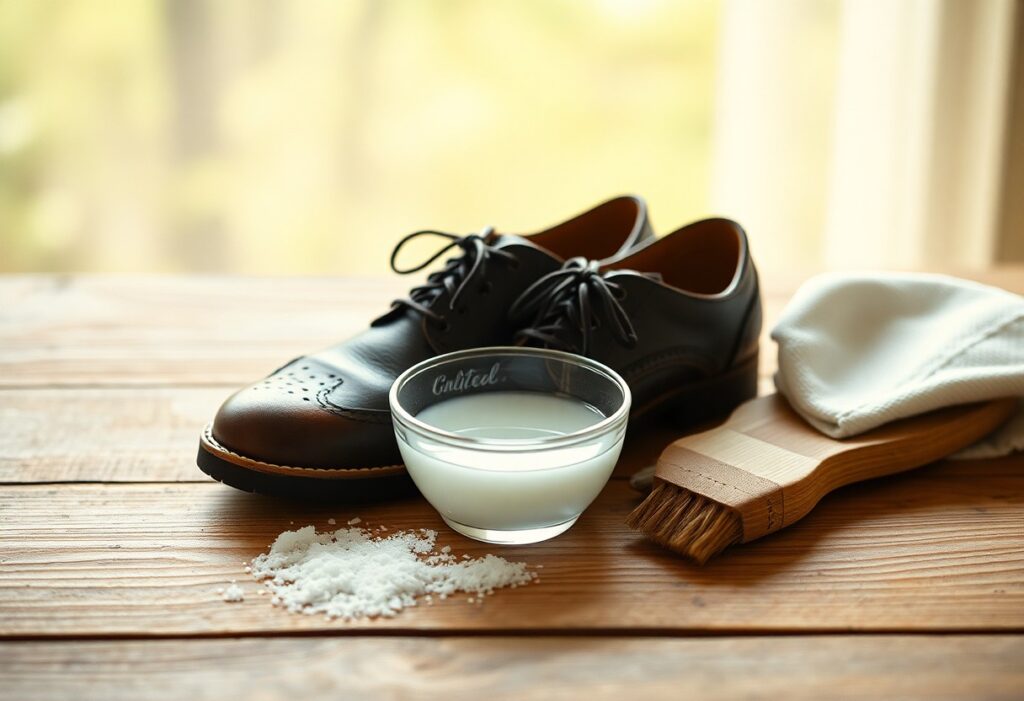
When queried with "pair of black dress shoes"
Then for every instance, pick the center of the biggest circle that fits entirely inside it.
(678, 317)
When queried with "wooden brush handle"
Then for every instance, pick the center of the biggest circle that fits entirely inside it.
(771, 467)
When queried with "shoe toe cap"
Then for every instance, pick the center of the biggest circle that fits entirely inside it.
(285, 422)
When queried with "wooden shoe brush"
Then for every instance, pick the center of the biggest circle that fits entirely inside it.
(765, 468)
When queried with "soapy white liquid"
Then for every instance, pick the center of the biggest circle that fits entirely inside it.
(519, 488)
(511, 415)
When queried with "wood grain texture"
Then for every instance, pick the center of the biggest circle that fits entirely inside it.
(938, 549)
(105, 330)
(87, 330)
(111, 435)
(812, 668)
(110, 379)
(58, 330)
(151, 434)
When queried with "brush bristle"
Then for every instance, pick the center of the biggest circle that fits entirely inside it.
(688, 523)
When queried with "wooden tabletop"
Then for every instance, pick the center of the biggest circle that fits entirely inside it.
(113, 544)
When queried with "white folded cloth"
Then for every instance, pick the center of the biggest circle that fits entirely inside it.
(858, 350)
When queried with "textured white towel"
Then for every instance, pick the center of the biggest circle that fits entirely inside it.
(858, 350)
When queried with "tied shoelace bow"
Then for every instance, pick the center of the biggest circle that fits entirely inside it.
(578, 295)
(455, 275)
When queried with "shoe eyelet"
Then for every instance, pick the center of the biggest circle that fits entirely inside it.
(461, 310)
(486, 287)
(513, 264)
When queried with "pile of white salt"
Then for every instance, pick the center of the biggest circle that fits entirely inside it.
(351, 573)
(234, 594)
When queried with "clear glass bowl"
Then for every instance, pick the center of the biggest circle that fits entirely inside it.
(510, 444)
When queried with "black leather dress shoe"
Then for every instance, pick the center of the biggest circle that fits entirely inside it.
(321, 426)
(678, 317)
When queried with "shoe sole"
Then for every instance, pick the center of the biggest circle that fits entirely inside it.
(348, 484)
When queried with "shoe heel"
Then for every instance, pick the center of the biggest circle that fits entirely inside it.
(715, 398)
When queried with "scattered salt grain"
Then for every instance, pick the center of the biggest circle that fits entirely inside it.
(234, 593)
(331, 522)
(446, 549)
(354, 521)
(351, 574)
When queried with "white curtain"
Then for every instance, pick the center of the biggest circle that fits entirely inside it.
(863, 133)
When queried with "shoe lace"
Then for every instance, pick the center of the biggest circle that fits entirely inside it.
(578, 296)
(453, 278)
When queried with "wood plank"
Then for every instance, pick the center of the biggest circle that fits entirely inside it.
(113, 435)
(147, 434)
(150, 330)
(164, 330)
(940, 549)
(795, 668)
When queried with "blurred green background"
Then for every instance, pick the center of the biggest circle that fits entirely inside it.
(264, 136)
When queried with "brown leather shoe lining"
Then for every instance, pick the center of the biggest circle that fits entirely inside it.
(614, 221)
(703, 258)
